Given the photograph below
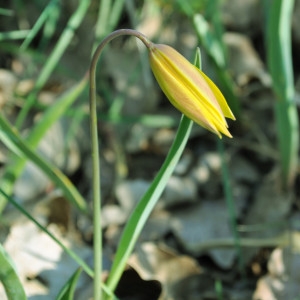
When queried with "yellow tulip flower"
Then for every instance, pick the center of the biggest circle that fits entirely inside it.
(189, 89)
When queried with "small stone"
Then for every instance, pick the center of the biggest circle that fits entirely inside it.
(179, 190)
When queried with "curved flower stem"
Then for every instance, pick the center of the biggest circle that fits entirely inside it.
(95, 154)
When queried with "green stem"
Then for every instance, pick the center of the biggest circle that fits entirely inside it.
(95, 154)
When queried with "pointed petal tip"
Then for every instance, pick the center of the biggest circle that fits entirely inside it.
(227, 133)
(232, 117)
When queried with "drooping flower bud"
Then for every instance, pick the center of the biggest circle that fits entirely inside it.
(189, 89)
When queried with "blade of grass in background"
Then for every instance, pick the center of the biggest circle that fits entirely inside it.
(50, 116)
(148, 120)
(279, 59)
(102, 20)
(55, 56)
(231, 207)
(6, 12)
(109, 14)
(49, 11)
(68, 290)
(14, 35)
(51, 171)
(9, 278)
(115, 14)
(71, 253)
(37, 58)
(219, 289)
(50, 24)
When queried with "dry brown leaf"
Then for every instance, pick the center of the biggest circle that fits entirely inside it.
(283, 280)
(42, 265)
(178, 274)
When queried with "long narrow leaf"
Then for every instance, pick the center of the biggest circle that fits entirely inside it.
(38, 24)
(52, 114)
(67, 292)
(13, 35)
(230, 204)
(51, 171)
(6, 12)
(71, 253)
(9, 278)
(279, 60)
(141, 213)
(54, 58)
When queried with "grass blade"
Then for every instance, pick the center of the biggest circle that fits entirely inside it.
(52, 114)
(67, 292)
(71, 253)
(215, 49)
(9, 278)
(53, 173)
(38, 24)
(141, 213)
(6, 12)
(14, 35)
(279, 59)
(54, 58)
(231, 206)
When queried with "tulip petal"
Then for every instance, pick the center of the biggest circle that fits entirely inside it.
(189, 90)
(220, 98)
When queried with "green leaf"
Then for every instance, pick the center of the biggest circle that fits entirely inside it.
(70, 252)
(279, 58)
(144, 208)
(14, 35)
(9, 278)
(52, 114)
(53, 59)
(67, 292)
(279, 48)
(13, 138)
